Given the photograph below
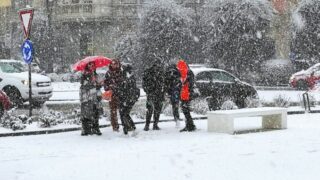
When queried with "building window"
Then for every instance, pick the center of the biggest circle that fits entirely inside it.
(86, 45)
(65, 9)
(87, 7)
(75, 9)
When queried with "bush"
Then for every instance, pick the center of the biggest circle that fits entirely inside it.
(50, 119)
(15, 122)
(281, 101)
(276, 72)
(199, 106)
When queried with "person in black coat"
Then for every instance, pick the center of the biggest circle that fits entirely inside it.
(153, 85)
(180, 87)
(128, 94)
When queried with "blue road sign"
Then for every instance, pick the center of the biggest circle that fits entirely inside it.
(27, 51)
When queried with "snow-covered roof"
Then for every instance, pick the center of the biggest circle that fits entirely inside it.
(11, 60)
(197, 70)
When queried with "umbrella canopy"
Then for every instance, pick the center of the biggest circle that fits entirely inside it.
(99, 61)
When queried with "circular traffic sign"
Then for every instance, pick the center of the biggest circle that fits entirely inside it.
(27, 51)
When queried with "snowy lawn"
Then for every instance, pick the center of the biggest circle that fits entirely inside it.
(167, 154)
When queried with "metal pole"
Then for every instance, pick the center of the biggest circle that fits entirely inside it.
(30, 91)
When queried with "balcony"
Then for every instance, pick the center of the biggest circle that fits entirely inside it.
(96, 12)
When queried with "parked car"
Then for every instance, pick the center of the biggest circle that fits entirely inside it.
(305, 79)
(220, 86)
(5, 103)
(14, 82)
(34, 66)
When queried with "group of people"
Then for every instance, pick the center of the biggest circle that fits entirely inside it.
(120, 84)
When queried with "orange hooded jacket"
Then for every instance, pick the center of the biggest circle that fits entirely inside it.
(183, 69)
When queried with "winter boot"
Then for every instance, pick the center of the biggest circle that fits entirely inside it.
(95, 127)
(184, 129)
(86, 129)
(146, 127)
(96, 131)
(125, 130)
(132, 125)
(189, 128)
(155, 126)
(148, 117)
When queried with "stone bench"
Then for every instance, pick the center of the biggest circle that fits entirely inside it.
(223, 121)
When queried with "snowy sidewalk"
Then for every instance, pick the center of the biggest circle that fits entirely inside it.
(34, 129)
(292, 154)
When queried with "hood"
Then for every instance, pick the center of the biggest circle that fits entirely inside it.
(34, 77)
(183, 68)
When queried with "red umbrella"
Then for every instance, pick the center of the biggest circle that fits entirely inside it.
(99, 61)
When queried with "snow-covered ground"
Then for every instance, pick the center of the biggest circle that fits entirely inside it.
(292, 154)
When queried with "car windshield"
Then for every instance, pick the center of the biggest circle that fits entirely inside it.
(11, 68)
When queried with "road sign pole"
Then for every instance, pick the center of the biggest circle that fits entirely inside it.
(30, 92)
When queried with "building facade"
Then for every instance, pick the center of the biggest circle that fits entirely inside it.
(67, 30)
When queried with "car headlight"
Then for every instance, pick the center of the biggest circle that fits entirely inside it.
(25, 82)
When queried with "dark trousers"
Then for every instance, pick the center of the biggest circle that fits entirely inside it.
(154, 106)
(125, 117)
(175, 110)
(185, 106)
(114, 105)
(175, 107)
(91, 125)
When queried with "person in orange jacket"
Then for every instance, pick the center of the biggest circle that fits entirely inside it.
(184, 83)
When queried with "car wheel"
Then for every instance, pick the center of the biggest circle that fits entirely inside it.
(223, 103)
(14, 95)
(302, 85)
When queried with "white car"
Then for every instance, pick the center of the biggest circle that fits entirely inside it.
(14, 82)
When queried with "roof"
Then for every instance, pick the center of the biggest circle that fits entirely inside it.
(197, 70)
(11, 60)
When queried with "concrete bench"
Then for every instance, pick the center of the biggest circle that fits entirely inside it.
(223, 121)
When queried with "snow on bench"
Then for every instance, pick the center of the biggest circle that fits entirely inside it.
(223, 121)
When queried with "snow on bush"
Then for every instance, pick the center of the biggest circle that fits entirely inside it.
(281, 101)
(237, 34)
(228, 105)
(276, 71)
(199, 106)
(163, 34)
(14, 122)
(50, 119)
(306, 31)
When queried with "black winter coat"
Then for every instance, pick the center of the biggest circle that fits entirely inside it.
(127, 92)
(153, 82)
(173, 83)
